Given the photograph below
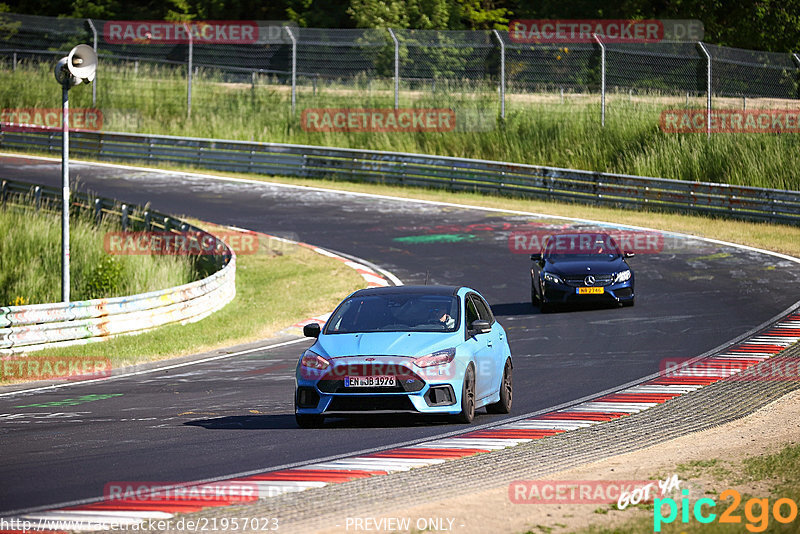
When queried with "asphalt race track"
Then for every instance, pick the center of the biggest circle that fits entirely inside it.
(235, 415)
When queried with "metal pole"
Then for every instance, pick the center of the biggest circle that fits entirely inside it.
(294, 67)
(94, 82)
(602, 80)
(189, 73)
(65, 192)
(796, 60)
(396, 69)
(708, 87)
(502, 74)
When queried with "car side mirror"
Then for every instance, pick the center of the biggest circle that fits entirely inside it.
(312, 330)
(536, 257)
(629, 254)
(480, 326)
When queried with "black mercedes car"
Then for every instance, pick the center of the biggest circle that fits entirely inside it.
(581, 267)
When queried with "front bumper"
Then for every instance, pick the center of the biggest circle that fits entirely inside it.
(554, 293)
(433, 390)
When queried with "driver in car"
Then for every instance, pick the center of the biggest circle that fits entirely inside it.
(439, 315)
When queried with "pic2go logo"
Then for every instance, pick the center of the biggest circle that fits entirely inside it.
(756, 511)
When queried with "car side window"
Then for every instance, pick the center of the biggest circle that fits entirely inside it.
(484, 311)
(472, 312)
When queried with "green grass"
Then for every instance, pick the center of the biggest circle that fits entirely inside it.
(537, 129)
(30, 261)
(273, 291)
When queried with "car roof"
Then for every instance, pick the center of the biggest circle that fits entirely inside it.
(408, 290)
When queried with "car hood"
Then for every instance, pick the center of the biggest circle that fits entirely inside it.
(584, 267)
(385, 343)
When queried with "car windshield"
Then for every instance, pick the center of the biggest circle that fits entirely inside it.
(395, 313)
(581, 247)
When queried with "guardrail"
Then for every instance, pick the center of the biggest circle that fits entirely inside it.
(37, 326)
(532, 181)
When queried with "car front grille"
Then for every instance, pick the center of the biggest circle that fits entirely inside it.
(407, 380)
(580, 281)
(371, 403)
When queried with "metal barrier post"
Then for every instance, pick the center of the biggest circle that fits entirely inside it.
(708, 87)
(502, 74)
(602, 80)
(294, 67)
(189, 73)
(396, 69)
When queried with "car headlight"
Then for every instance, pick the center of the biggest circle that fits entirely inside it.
(552, 278)
(623, 276)
(312, 360)
(435, 358)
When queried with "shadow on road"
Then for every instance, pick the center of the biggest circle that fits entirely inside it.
(287, 421)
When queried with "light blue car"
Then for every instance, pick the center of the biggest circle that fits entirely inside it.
(417, 349)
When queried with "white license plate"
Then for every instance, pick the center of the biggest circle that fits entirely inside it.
(370, 381)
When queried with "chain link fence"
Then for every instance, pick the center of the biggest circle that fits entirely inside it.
(391, 67)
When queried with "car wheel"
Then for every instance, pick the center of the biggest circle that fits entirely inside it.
(467, 397)
(534, 297)
(309, 420)
(546, 307)
(504, 404)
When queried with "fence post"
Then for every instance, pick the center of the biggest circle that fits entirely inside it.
(396, 69)
(94, 82)
(294, 67)
(189, 73)
(602, 80)
(502, 74)
(15, 61)
(796, 60)
(708, 87)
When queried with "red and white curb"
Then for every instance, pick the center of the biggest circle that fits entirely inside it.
(733, 360)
